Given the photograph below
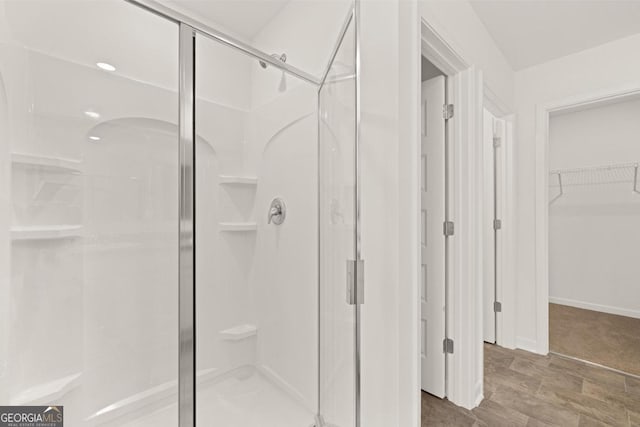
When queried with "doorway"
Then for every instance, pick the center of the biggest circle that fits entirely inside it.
(594, 212)
(459, 360)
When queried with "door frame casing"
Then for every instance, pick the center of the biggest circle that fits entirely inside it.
(505, 289)
(464, 376)
(543, 112)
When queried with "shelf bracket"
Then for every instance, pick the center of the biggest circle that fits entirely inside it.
(561, 189)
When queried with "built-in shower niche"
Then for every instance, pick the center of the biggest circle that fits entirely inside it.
(237, 198)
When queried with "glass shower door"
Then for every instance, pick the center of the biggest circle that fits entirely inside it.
(89, 211)
(340, 270)
(256, 241)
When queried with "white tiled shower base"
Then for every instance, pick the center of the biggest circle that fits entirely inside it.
(245, 399)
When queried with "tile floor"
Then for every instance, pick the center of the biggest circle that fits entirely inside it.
(603, 338)
(525, 389)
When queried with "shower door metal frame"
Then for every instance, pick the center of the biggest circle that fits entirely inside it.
(357, 230)
(211, 33)
(187, 260)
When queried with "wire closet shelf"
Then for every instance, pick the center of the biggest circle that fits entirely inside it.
(560, 179)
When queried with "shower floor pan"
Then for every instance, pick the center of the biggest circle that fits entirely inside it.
(246, 399)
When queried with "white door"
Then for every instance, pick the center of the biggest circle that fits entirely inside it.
(494, 162)
(432, 188)
(488, 238)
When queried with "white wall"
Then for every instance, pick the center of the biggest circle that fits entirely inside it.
(594, 230)
(460, 27)
(391, 53)
(609, 66)
(380, 46)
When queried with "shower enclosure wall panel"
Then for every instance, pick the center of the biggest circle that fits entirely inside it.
(284, 271)
(222, 107)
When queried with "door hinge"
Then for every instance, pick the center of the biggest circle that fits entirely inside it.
(447, 345)
(449, 228)
(355, 282)
(496, 141)
(497, 307)
(447, 111)
(497, 224)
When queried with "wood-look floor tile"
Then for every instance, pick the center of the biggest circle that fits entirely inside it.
(532, 357)
(537, 423)
(600, 375)
(555, 378)
(535, 407)
(497, 360)
(603, 338)
(516, 380)
(494, 414)
(632, 385)
(586, 421)
(582, 404)
(525, 389)
(613, 397)
(439, 412)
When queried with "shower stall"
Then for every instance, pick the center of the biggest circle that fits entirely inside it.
(179, 214)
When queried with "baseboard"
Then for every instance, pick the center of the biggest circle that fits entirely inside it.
(527, 344)
(596, 307)
(479, 393)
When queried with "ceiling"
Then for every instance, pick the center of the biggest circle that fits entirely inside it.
(242, 18)
(531, 32)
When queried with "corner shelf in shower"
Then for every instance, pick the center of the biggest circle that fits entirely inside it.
(238, 180)
(239, 332)
(238, 226)
(51, 164)
(45, 232)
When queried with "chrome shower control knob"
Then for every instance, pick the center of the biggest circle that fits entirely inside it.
(277, 211)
